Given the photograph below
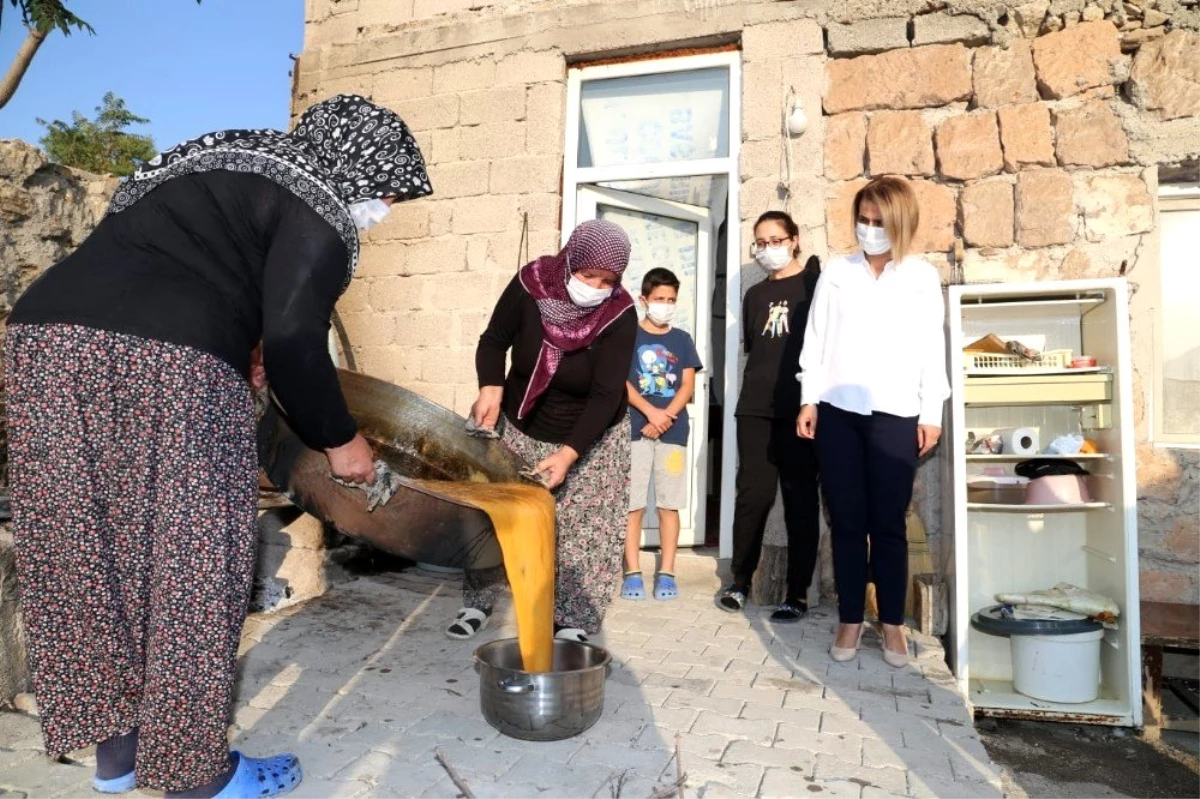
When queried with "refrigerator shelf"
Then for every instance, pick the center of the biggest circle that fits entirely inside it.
(1092, 456)
(1039, 389)
(998, 698)
(1013, 507)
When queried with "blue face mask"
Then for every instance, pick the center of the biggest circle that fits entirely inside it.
(368, 213)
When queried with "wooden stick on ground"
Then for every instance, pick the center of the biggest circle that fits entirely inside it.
(679, 775)
(458, 781)
(674, 789)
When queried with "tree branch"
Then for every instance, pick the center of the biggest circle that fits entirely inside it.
(28, 49)
(458, 781)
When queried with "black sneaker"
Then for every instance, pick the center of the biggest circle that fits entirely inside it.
(733, 598)
(790, 611)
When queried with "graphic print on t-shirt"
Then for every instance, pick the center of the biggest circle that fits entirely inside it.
(777, 320)
(656, 371)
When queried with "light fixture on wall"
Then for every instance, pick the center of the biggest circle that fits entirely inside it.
(793, 123)
(797, 121)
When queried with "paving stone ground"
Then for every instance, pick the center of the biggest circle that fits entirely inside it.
(363, 686)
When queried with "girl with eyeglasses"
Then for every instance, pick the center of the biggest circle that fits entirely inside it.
(770, 454)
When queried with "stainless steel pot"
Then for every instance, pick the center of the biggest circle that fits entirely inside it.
(541, 707)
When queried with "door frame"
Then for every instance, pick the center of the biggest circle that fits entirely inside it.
(693, 524)
(574, 176)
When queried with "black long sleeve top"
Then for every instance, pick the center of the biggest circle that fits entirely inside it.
(585, 397)
(216, 261)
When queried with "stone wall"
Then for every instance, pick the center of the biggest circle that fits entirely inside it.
(1033, 133)
(46, 211)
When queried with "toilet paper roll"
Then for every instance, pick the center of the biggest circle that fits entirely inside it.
(1020, 440)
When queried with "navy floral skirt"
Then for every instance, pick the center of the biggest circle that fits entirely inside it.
(133, 484)
(591, 508)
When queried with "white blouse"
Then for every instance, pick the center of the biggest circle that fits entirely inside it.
(877, 344)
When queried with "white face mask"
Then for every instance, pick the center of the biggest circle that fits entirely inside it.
(369, 213)
(660, 313)
(586, 296)
(774, 258)
(873, 240)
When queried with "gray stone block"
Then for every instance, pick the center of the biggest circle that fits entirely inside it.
(944, 28)
(292, 565)
(14, 671)
(868, 36)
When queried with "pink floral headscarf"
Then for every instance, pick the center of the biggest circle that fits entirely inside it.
(595, 244)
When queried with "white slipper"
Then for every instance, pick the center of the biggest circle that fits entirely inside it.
(468, 623)
(572, 634)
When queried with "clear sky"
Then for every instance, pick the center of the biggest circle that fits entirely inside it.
(187, 68)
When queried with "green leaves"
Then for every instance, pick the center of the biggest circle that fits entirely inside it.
(101, 144)
(48, 15)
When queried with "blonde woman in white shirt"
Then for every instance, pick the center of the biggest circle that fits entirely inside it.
(873, 383)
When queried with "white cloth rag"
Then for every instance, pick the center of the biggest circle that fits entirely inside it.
(1069, 597)
(379, 492)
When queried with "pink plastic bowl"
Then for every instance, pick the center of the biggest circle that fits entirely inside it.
(1057, 489)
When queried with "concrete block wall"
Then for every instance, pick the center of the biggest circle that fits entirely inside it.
(1033, 134)
(485, 93)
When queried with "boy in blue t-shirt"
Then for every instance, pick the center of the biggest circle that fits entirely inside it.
(662, 379)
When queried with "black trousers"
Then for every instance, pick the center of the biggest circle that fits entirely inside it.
(867, 468)
(770, 454)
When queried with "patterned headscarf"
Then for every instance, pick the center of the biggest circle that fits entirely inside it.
(596, 244)
(343, 150)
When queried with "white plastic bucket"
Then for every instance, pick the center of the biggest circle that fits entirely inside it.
(1057, 668)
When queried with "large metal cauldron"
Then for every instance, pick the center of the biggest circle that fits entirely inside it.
(541, 707)
(419, 440)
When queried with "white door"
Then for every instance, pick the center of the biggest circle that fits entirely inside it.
(679, 237)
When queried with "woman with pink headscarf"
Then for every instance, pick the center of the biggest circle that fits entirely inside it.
(570, 329)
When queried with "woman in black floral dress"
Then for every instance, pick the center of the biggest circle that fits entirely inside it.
(569, 328)
(133, 465)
